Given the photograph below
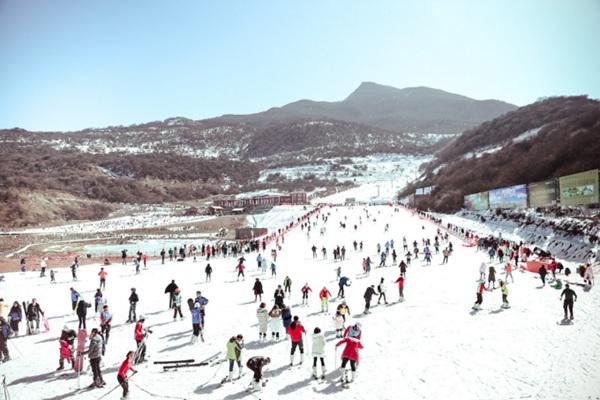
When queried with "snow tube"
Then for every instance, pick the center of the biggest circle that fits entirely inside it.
(535, 265)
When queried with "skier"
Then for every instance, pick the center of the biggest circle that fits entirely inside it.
(324, 296)
(170, 290)
(263, 319)
(43, 266)
(350, 354)
(381, 290)
(234, 354)
(286, 318)
(570, 297)
(479, 293)
(4, 335)
(52, 276)
(402, 268)
(240, 270)
(208, 272)
(445, 253)
(15, 315)
(338, 322)
(140, 335)
(343, 309)
(492, 277)
(258, 290)
(504, 290)
(122, 374)
(318, 352)
(273, 268)
(400, 282)
(67, 338)
(74, 271)
(203, 301)
(353, 331)
(74, 298)
(368, 296)
(133, 300)
(542, 271)
(338, 272)
(98, 301)
(162, 256)
(279, 295)
(482, 271)
(287, 285)
(82, 307)
(305, 289)
(344, 281)
(177, 304)
(275, 322)
(124, 257)
(295, 331)
(314, 251)
(95, 355)
(102, 274)
(256, 365)
(508, 272)
(105, 323)
(197, 323)
(33, 313)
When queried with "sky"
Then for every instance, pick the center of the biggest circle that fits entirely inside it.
(72, 64)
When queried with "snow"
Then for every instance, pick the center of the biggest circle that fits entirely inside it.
(136, 221)
(429, 347)
(531, 133)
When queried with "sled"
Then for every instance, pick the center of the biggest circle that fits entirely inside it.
(81, 338)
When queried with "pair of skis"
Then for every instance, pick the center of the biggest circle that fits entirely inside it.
(187, 363)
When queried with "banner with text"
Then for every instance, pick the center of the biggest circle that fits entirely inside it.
(477, 201)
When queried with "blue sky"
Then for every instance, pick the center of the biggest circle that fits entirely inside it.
(71, 64)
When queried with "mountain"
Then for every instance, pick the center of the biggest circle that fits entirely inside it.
(180, 159)
(417, 110)
(546, 139)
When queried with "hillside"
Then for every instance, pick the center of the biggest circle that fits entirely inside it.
(549, 138)
(418, 109)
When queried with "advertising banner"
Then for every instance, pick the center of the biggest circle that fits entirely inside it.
(542, 194)
(578, 189)
(509, 197)
(477, 201)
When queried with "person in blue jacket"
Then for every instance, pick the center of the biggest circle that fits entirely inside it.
(74, 298)
(344, 281)
(286, 317)
(197, 323)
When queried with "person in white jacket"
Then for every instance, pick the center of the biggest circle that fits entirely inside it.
(318, 352)
(381, 290)
(263, 320)
(338, 322)
(275, 322)
(482, 269)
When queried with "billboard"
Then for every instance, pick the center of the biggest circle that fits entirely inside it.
(477, 201)
(509, 197)
(424, 191)
(542, 194)
(581, 188)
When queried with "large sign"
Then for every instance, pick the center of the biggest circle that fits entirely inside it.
(581, 188)
(477, 201)
(424, 191)
(509, 197)
(542, 194)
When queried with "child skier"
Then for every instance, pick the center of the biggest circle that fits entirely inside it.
(338, 322)
(504, 290)
(400, 282)
(479, 293)
(275, 322)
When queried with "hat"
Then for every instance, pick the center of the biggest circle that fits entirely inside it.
(141, 318)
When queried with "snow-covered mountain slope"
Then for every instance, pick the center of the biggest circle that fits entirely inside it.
(431, 346)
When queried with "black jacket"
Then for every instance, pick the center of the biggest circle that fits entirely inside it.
(369, 293)
(82, 307)
(569, 294)
(134, 298)
(171, 287)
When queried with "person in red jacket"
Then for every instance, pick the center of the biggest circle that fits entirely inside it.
(324, 296)
(400, 282)
(240, 269)
(305, 289)
(295, 331)
(140, 338)
(350, 353)
(122, 375)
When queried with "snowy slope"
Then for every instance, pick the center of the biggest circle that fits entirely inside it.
(429, 347)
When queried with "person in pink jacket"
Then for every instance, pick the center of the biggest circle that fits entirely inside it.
(350, 353)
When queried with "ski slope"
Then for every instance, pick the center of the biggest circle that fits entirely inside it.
(431, 346)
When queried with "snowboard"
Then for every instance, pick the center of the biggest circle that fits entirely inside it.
(81, 338)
